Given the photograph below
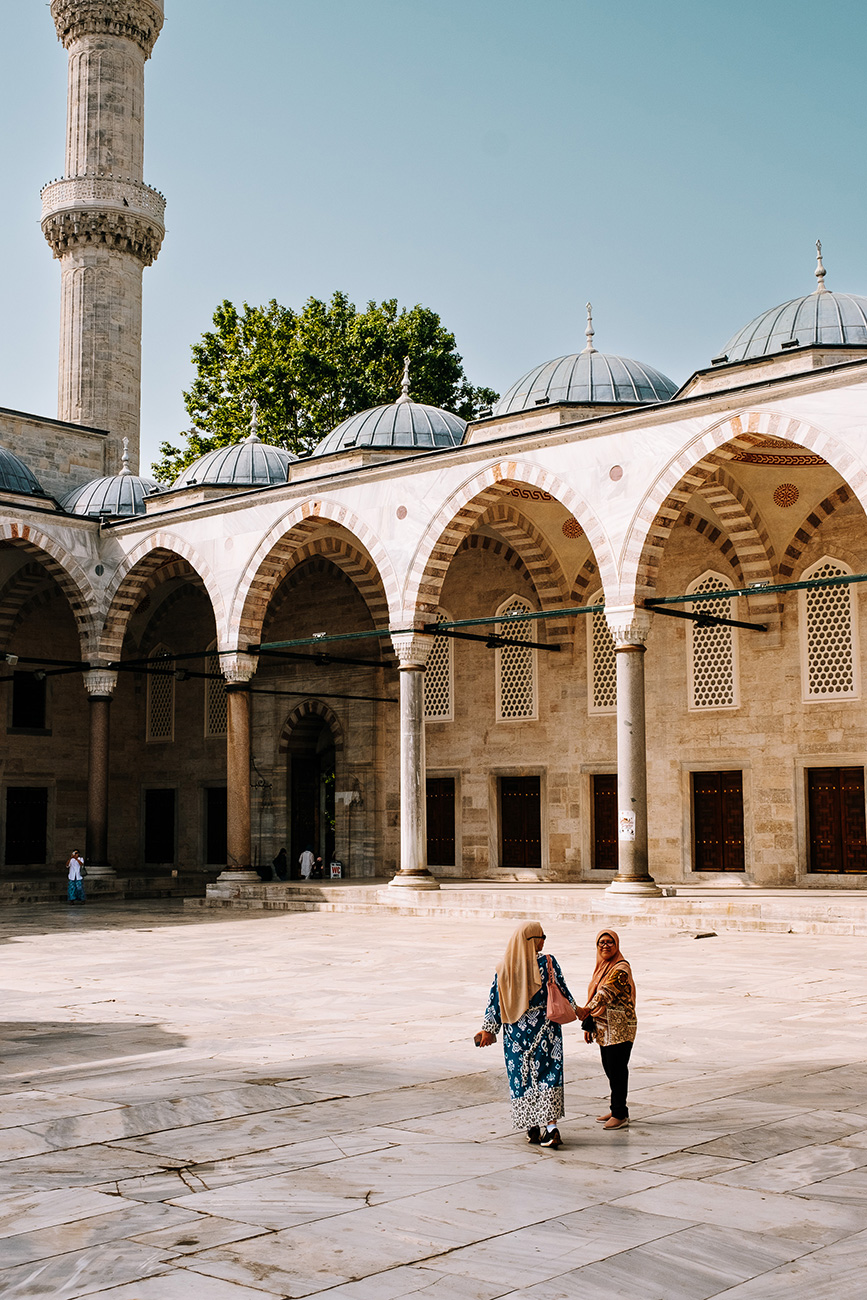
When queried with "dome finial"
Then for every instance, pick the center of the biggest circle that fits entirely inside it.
(589, 330)
(124, 460)
(404, 383)
(253, 435)
(820, 269)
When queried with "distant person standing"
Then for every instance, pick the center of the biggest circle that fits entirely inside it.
(280, 866)
(306, 861)
(74, 873)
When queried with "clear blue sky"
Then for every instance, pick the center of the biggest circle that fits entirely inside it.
(499, 161)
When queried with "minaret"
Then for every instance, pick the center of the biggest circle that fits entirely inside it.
(102, 222)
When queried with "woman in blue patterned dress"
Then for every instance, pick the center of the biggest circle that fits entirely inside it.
(532, 1044)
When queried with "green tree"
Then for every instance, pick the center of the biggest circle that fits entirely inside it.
(309, 370)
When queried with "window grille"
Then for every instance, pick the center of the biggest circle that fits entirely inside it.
(713, 650)
(515, 665)
(438, 677)
(602, 662)
(829, 635)
(161, 697)
(215, 695)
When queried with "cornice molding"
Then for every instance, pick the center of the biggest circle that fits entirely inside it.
(125, 231)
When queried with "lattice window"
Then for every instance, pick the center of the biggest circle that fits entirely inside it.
(438, 675)
(161, 696)
(713, 676)
(516, 665)
(601, 662)
(829, 635)
(215, 695)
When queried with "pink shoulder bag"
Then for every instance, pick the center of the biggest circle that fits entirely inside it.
(559, 1008)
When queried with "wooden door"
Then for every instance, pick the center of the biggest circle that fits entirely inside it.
(520, 821)
(605, 822)
(838, 834)
(718, 819)
(26, 825)
(215, 824)
(441, 821)
(159, 827)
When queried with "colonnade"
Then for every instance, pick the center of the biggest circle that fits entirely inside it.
(629, 625)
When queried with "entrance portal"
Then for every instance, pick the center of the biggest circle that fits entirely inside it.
(311, 752)
(838, 832)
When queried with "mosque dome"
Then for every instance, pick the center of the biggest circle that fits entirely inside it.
(16, 477)
(403, 423)
(118, 494)
(251, 463)
(819, 318)
(590, 377)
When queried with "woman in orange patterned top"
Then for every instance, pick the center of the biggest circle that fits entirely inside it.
(610, 1018)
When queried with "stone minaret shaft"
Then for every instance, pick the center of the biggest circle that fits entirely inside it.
(102, 222)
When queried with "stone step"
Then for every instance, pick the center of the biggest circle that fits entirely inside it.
(52, 889)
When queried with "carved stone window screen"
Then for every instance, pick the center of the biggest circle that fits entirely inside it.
(515, 665)
(438, 677)
(215, 696)
(161, 698)
(829, 635)
(713, 651)
(601, 662)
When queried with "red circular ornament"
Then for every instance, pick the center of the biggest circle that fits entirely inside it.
(401, 512)
(615, 473)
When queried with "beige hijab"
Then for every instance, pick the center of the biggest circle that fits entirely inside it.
(518, 974)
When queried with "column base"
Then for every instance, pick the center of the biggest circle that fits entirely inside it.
(637, 885)
(101, 870)
(414, 880)
(240, 877)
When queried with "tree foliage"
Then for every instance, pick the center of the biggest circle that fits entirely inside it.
(309, 370)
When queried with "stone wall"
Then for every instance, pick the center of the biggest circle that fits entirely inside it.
(62, 456)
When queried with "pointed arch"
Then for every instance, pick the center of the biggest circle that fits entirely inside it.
(807, 530)
(702, 460)
(463, 511)
(311, 708)
(66, 572)
(152, 562)
(309, 528)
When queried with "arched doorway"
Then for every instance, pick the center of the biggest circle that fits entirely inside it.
(310, 773)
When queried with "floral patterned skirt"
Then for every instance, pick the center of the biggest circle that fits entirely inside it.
(533, 1049)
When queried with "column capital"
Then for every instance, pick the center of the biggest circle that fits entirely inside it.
(628, 624)
(137, 20)
(412, 648)
(238, 668)
(100, 682)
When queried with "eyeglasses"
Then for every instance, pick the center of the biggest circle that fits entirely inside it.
(606, 943)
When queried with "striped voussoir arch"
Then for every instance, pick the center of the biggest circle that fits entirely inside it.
(307, 527)
(545, 569)
(356, 567)
(791, 561)
(690, 471)
(26, 584)
(744, 528)
(464, 510)
(66, 572)
(154, 561)
(307, 709)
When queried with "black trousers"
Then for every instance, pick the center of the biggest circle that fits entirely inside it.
(615, 1063)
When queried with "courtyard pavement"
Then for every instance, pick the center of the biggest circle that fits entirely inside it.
(236, 1107)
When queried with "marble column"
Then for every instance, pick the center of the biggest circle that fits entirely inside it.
(412, 650)
(100, 686)
(629, 627)
(238, 670)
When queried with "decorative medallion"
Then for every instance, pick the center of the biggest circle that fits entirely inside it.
(531, 494)
(785, 495)
(401, 512)
(572, 528)
(615, 473)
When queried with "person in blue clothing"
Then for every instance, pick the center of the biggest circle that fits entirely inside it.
(532, 1044)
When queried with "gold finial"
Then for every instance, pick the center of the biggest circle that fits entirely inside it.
(820, 269)
(589, 330)
(404, 383)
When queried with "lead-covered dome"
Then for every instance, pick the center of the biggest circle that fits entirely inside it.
(251, 463)
(116, 494)
(819, 318)
(589, 377)
(403, 423)
(16, 477)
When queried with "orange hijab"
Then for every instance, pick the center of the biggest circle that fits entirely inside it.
(518, 974)
(606, 966)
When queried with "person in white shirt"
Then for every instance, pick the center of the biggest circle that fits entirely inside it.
(306, 860)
